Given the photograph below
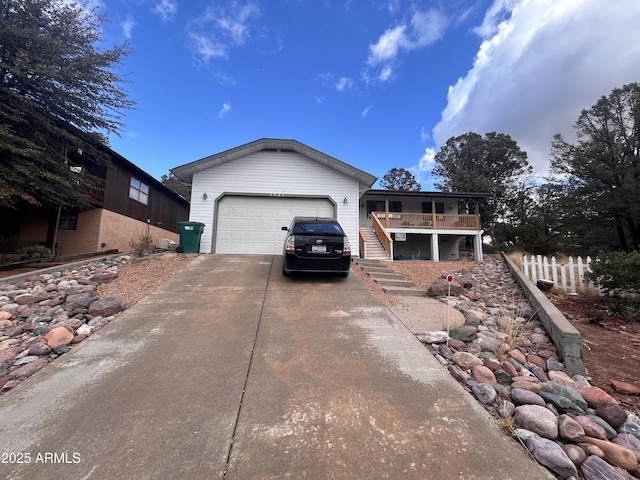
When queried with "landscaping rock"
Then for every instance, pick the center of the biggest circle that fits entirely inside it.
(106, 307)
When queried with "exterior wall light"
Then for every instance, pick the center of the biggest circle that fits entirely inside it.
(345, 201)
(204, 196)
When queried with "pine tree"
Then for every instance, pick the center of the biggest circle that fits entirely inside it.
(57, 88)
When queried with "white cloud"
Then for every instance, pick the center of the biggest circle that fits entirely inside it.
(540, 63)
(220, 29)
(427, 161)
(166, 9)
(226, 108)
(422, 30)
(344, 83)
(388, 45)
(127, 27)
(224, 79)
(385, 73)
(235, 24)
(365, 112)
(206, 48)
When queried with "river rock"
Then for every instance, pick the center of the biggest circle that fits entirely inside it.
(482, 374)
(433, 337)
(562, 404)
(79, 300)
(616, 454)
(595, 396)
(552, 456)
(562, 378)
(103, 278)
(40, 349)
(612, 413)
(58, 336)
(526, 397)
(576, 454)
(466, 360)
(631, 426)
(106, 307)
(591, 428)
(625, 388)
(8, 354)
(485, 394)
(629, 441)
(594, 468)
(537, 419)
(28, 369)
(608, 429)
(569, 429)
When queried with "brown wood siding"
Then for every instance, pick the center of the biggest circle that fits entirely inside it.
(162, 207)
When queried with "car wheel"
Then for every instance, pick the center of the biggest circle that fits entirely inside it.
(285, 273)
(344, 274)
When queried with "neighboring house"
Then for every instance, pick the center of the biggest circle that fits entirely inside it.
(244, 196)
(125, 203)
(403, 225)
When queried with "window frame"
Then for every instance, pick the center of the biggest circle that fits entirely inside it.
(138, 191)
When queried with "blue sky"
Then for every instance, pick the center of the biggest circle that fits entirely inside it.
(377, 84)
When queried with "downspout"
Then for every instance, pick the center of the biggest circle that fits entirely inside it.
(55, 232)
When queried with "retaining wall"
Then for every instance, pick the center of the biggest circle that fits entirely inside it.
(565, 336)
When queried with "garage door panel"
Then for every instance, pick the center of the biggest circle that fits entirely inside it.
(253, 224)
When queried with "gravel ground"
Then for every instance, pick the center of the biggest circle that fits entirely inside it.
(139, 278)
(421, 273)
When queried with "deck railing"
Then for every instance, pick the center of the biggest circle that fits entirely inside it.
(95, 189)
(383, 235)
(429, 221)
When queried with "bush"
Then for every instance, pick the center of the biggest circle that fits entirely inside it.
(34, 251)
(616, 272)
(12, 244)
(142, 245)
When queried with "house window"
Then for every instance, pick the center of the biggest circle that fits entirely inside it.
(427, 207)
(68, 221)
(378, 206)
(139, 191)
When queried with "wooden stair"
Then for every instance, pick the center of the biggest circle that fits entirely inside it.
(374, 249)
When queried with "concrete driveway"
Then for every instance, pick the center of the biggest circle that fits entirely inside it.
(231, 370)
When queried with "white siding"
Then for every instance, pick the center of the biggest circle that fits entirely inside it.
(274, 174)
(249, 224)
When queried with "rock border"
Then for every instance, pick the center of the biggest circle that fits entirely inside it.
(565, 336)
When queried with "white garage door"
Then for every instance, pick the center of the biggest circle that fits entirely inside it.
(254, 224)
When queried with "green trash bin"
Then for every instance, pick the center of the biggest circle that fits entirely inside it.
(190, 233)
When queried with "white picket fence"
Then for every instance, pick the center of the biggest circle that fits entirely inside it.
(569, 276)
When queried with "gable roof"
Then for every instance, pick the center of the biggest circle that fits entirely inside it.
(186, 172)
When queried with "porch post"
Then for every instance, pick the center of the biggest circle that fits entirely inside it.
(477, 246)
(435, 249)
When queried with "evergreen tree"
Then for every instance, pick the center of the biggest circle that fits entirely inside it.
(400, 179)
(493, 164)
(601, 173)
(172, 182)
(56, 88)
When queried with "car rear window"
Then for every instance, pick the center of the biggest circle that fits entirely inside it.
(318, 228)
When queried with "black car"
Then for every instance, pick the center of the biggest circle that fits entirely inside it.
(316, 244)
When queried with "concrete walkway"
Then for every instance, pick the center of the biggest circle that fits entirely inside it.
(231, 370)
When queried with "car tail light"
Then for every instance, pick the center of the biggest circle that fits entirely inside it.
(289, 246)
(346, 248)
